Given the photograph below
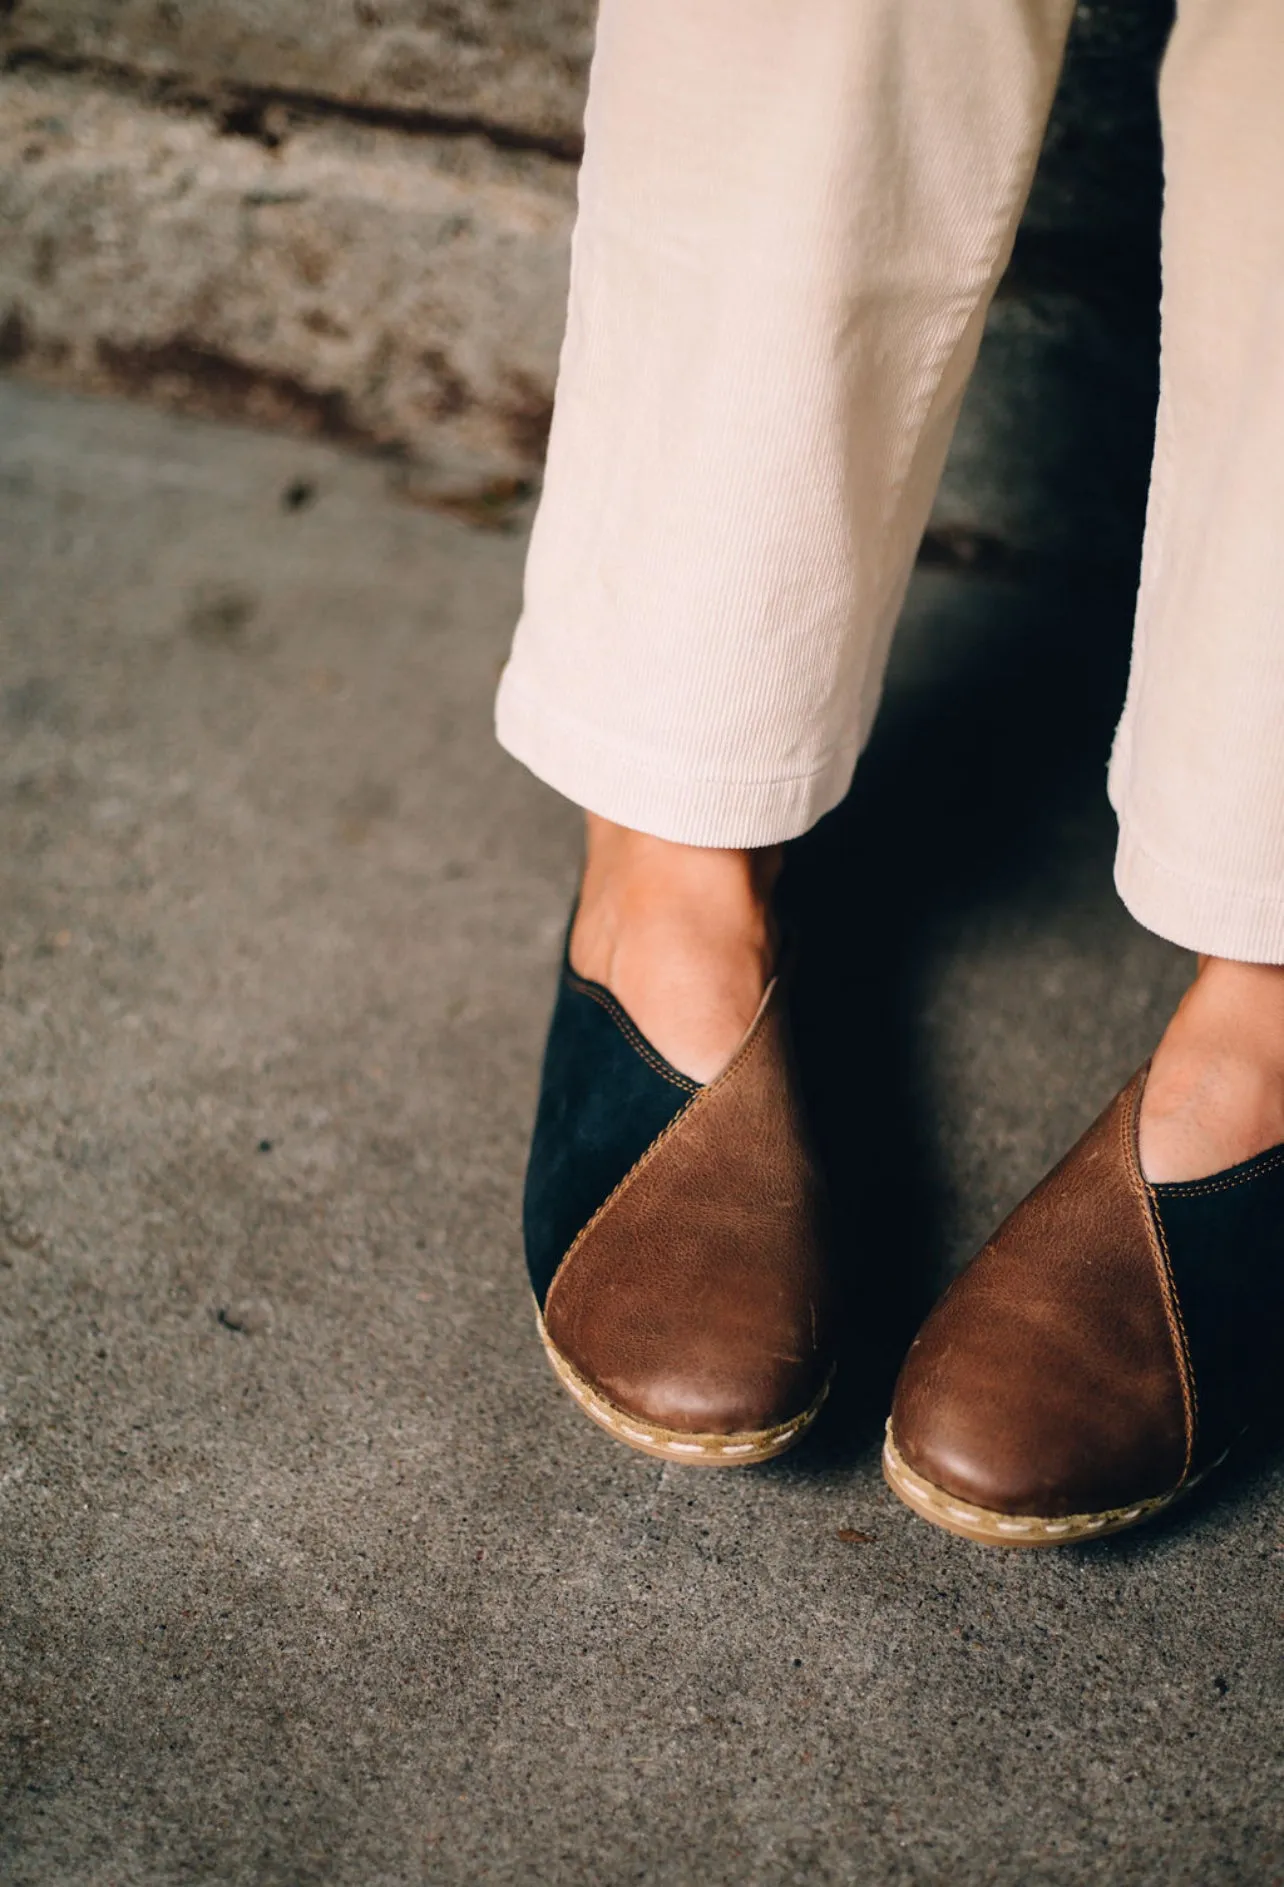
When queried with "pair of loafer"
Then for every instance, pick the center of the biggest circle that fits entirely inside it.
(1091, 1365)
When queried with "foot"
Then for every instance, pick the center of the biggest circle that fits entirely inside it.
(1107, 1346)
(1215, 1092)
(682, 937)
(675, 1231)
(1103, 1351)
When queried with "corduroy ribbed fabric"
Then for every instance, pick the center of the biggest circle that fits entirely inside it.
(792, 219)
(1197, 774)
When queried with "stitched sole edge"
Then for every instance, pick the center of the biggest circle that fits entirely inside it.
(737, 1450)
(933, 1504)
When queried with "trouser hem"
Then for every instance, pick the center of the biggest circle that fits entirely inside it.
(1214, 920)
(583, 766)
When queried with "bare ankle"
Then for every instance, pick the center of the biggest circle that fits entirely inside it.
(1215, 1094)
(634, 880)
(682, 935)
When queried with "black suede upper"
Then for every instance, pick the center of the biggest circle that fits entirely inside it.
(1225, 1240)
(605, 1094)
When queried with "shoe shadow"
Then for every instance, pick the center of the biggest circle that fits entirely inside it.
(983, 786)
(982, 789)
(1244, 1484)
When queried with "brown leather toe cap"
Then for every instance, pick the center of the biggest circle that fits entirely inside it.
(723, 1387)
(1050, 1379)
(698, 1297)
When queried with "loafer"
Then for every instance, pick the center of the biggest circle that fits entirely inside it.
(675, 1239)
(1101, 1354)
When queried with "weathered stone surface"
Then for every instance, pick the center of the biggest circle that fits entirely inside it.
(1053, 445)
(518, 64)
(268, 256)
(1097, 173)
(405, 293)
(1052, 452)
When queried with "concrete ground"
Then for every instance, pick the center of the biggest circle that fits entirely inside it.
(310, 1573)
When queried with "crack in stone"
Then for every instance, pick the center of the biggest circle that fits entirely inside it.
(218, 383)
(268, 113)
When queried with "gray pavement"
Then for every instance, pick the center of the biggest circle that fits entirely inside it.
(309, 1571)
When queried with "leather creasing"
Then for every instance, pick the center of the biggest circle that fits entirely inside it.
(697, 1296)
(1052, 1378)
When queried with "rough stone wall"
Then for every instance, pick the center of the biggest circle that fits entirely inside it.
(353, 216)
(402, 293)
(515, 67)
(1053, 446)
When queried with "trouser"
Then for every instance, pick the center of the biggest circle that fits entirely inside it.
(793, 214)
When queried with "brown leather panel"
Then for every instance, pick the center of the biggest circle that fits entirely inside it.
(698, 1297)
(1049, 1379)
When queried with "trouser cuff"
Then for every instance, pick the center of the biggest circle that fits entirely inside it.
(628, 790)
(1216, 920)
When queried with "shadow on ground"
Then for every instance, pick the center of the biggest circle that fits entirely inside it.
(983, 788)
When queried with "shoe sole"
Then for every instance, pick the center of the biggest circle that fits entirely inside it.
(989, 1528)
(737, 1450)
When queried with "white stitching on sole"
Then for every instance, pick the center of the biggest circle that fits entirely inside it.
(978, 1523)
(662, 1443)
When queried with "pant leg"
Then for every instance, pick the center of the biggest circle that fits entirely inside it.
(792, 218)
(1197, 775)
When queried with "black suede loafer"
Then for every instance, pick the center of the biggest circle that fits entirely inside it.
(674, 1237)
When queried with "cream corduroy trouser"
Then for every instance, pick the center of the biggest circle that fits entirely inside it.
(793, 214)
